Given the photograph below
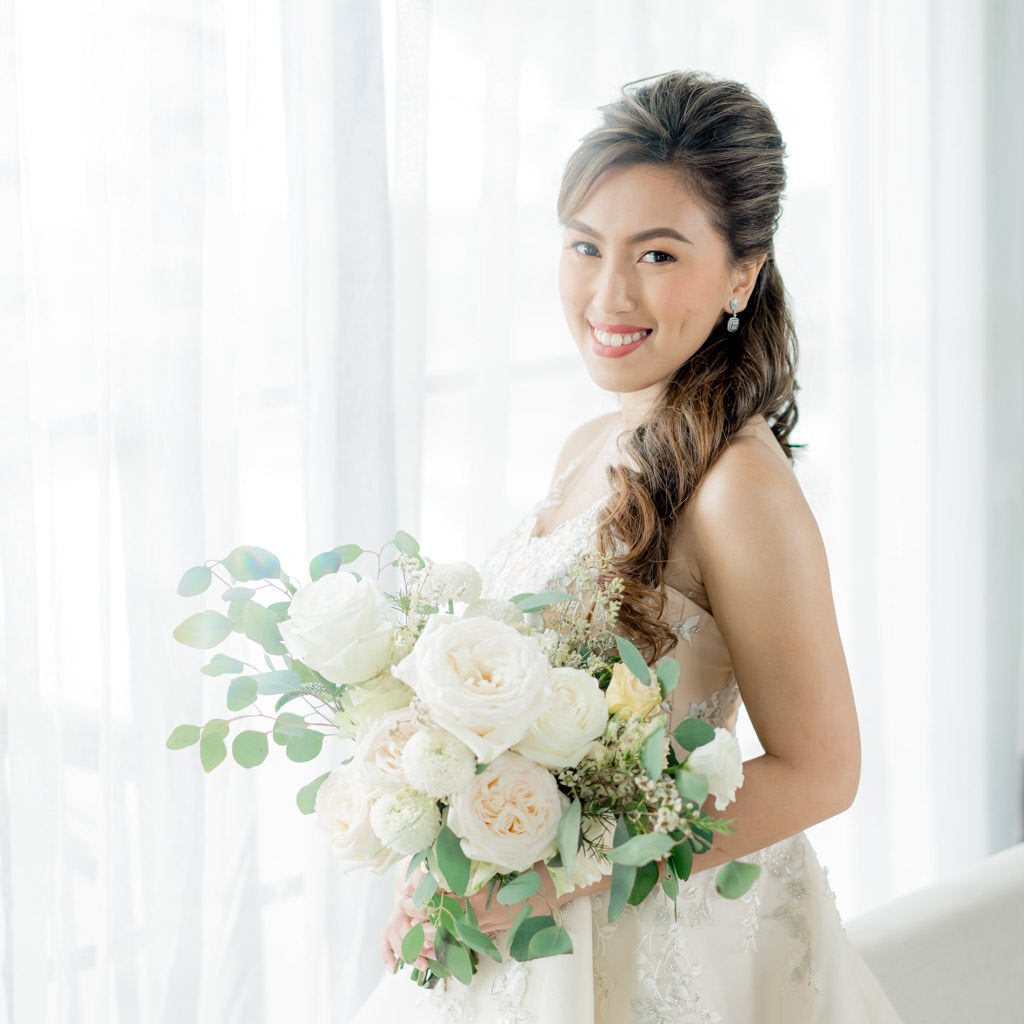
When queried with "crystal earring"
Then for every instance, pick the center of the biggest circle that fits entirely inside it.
(733, 323)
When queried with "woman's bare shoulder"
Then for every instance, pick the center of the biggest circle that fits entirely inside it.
(582, 438)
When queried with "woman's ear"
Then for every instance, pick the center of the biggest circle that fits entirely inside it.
(744, 278)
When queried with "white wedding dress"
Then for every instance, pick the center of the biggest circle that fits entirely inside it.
(778, 955)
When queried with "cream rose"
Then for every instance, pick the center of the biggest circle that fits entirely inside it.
(343, 805)
(379, 746)
(721, 762)
(337, 626)
(626, 693)
(508, 815)
(480, 680)
(368, 701)
(576, 717)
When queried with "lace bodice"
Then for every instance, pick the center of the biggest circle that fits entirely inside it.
(522, 562)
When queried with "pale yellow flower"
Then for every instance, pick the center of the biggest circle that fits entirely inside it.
(626, 693)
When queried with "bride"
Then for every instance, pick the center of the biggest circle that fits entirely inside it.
(674, 300)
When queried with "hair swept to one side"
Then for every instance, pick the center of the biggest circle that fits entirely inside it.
(724, 143)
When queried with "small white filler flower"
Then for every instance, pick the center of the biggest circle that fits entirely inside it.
(437, 763)
(407, 820)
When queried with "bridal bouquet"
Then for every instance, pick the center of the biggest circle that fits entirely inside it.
(489, 735)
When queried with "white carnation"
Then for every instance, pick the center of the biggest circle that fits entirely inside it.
(405, 820)
(454, 581)
(721, 762)
(437, 763)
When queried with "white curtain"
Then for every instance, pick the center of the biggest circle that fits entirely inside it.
(197, 348)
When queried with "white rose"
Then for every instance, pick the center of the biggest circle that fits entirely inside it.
(379, 746)
(480, 680)
(337, 626)
(721, 762)
(437, 763)
(577, 715)
(369, 701)
(343, 805)
(406, 820)
(455, 581)
(508, 815)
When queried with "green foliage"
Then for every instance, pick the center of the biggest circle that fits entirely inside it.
(424, 890)
(668, 676)
(670, 884)
(249, 748)
(195, 581)
(681, 859)
(251, 563)
(305, 747)
(476, 939)
(525, 912)
(306, 797)
(324, 563)
(520, 888)
(412, 944)
(519, 945)
(654, 752)
(212, 748)
(451, 860)
(692, 786)
(459, 962)
(284, 680)
(623, 875)
(550, 941)
(260, 624)
(348, 553)
(406, 544)
(633, 659)
(204, 630)
(221, 664)
(241, 693)
(538, 602)
(646, 880)
(569, 835)
(288, 726)
(641, 849)
(693, 733)
(416, 861)
(735, 878)
(183, 736)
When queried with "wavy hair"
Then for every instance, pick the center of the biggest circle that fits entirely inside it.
(725, 145)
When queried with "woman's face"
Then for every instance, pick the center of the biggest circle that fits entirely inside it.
(644, 277)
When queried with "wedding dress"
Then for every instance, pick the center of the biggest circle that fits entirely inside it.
(777, 955)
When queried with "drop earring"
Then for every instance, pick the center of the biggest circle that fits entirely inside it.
(733, 323)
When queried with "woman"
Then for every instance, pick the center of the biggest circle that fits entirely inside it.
(673, 297)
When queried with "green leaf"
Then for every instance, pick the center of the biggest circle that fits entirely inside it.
(283, 680)
(412, 943)
(520, 888)
(654, 752)
(633, 659)
(646, 879)
(735, 878)
(525, 911)
(549, 942)
(348, 553)
(569, 835)
(306, 797)
(475, 939)
(212, 750)
(260, 624)
(693, 733)
(682, 860)
(668, 676)
(221, 664)
(692, 786)
(217, 727)
(251, 563)
(452, 861)
(204, 630)
(288, 726)
(250, 748)
(324, 563)
(238, 594)
(519, 947)
(195, 581)
(241, 693)
(424, 890)
(670, 884)
(406, 544)
(623, 875)
(459, 962)
(641, 849)
(538, 602)
(306, 747)
(183, 736)
(416, 862)
(287, 698)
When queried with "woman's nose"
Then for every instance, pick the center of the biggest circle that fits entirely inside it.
(614, 291)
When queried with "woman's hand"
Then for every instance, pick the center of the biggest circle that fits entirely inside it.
(404, 916)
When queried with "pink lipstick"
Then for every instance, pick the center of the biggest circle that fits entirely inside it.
(613, 341)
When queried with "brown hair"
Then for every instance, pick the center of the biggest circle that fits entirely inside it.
(724, 142)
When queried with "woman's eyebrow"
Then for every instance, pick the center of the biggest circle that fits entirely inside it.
(640, 236)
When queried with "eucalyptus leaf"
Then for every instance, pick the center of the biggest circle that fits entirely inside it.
(416, 861)
(287, 698)
(641, 849)
(668, 676)
(569, 835)
(252, 563)
(279, 609)
(646, 879)
(538, 602)
(437, 968)
(407, 544)
(735, 878)
(183, 736)
(424, 890)
(452, 861)
(475, 939)
(520, 888)
(212, 750)
(412, 943)
(282, 680)
(217, 727)
(693, 733)
(195, 581)
(288, 726)
(654, 752)
(241, 693)
(552, 941)
(304, 748)
(633, 659)
(221, 664)
(260, 624)
(519, 946)
(249, 748)
(692, 786)
(204, 630)
(306, 797)
(238, 594)
(458, 960)
(682, 860)
(525, 912)
(323, 564)
(348, 553)
(623, 875)
(670, 884)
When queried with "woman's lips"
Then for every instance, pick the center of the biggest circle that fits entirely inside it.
(616, 340)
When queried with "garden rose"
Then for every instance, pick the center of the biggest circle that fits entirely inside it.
(379, 746)
(508, 815)
(343, 805)
(576, 717)
(480, 680)
(626, 693)
(337, 626)
(722, 763)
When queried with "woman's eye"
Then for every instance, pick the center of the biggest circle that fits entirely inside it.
(657, 256)
(585, 248)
